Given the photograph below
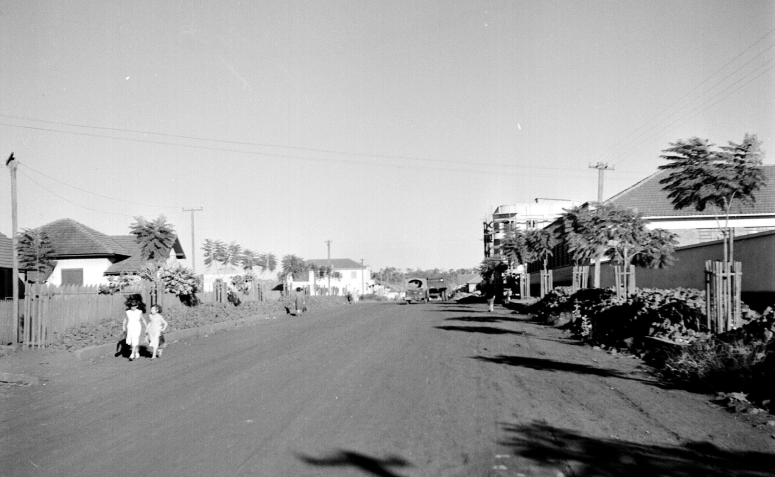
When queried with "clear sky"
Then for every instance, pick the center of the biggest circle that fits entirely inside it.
(390, 128)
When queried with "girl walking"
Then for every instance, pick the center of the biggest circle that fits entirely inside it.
(133, 326)
(155, 327)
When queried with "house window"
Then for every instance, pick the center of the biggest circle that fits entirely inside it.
(72, 276)
(354, 275)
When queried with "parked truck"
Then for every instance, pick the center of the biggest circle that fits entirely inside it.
(417, 291)
(437, 289)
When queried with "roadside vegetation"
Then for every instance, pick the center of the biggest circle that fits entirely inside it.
(668, 329)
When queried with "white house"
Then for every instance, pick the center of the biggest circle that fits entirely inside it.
(85, 256)
(352, 275)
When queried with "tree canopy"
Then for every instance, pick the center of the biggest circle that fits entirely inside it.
(156, 238)
(618, 233)
(540, 244)
(35, 253)
(701, 175)
(292, 265)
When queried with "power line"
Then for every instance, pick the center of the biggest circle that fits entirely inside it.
(225, 141)
(613, 148)
(717, 94)
(610, 152)
(676, 123)
(70, 201)
(96, 194)
(478, 165)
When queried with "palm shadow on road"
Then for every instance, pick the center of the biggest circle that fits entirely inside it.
(488, 318)
(371, 465)
(585, 456)
(489, 330)
(551, 365)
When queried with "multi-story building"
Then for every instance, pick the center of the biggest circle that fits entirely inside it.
(525, 216)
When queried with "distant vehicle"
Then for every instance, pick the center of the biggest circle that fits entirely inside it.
(417, 290)
(437, 289)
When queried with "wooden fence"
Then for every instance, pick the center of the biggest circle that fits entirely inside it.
(6, 322)
(47, 310)
(524, 285)
(625, 280)
(723, 303)
(580, 277)
(220, 294)
(547, 282)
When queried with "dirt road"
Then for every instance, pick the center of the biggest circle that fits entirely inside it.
(369, 389)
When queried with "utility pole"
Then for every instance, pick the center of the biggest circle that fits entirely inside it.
(601, 167)
(193, 242)
(12, 165)
(328, 242)
(363, 280)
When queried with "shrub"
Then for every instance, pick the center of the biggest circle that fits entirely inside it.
(117, 284)
(179, 280)
(552, 304)
(716, 365)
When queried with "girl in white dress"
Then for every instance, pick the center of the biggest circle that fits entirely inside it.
(156, 325)
(133, 327)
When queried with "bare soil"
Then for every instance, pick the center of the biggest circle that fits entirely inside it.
(384, 389)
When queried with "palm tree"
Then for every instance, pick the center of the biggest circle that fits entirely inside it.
(156, 238)
(292, 265)
(249, 259)
(213, 250)
(268, 261)
(35, 251)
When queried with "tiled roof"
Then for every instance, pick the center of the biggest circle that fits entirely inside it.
(73, 239)
(134, 262)
(648, 198)
(337, 263)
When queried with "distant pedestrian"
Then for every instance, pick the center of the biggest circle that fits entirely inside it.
(300, 301)
(133, 325)
(489, 292)
(155, 327)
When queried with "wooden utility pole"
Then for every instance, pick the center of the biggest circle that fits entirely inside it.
(328, 242)
(601, 167)
(193, 242)
(12, 165)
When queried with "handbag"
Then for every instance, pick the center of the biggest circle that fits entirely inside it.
(161, 339)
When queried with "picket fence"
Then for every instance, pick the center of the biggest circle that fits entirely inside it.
(624, 277)
(48, 310)
(723, 304)
(220, 293)
(6, 322)
(580, 277)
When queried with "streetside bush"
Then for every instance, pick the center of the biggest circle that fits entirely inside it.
(599, 315)
(716, 365)
(552, 304)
